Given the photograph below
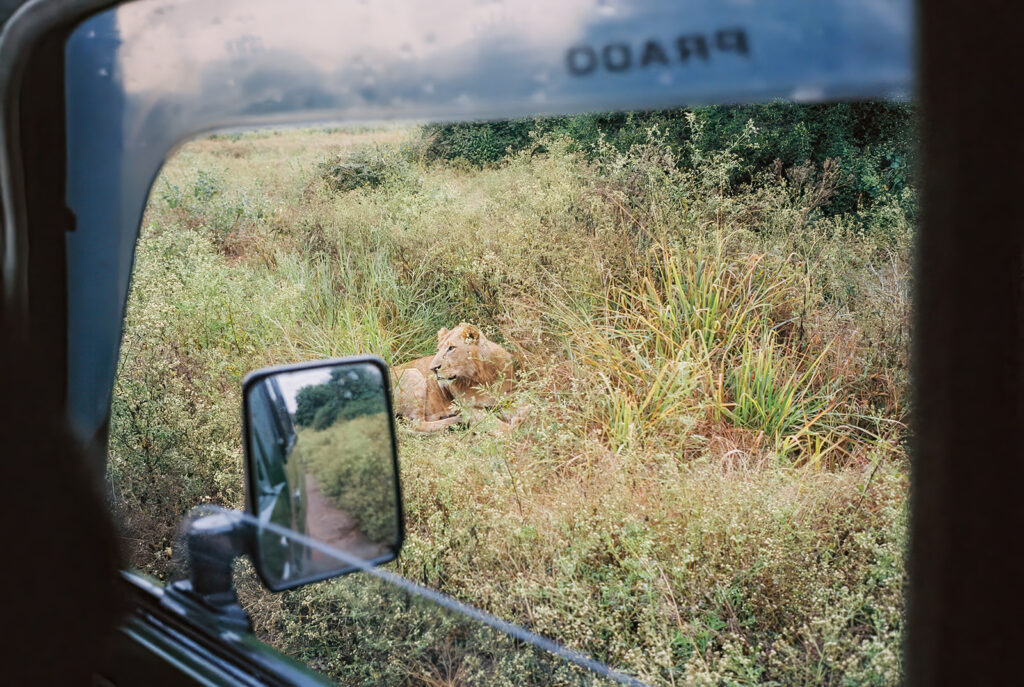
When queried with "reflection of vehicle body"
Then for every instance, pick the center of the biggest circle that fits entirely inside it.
(271, 441)
(272, 438)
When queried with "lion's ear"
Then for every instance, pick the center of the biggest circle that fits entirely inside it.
(441, 333)
(471, 334)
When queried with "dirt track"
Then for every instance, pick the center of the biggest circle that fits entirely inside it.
(334, 527)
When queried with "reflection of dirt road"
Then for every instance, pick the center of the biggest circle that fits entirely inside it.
(335, 527)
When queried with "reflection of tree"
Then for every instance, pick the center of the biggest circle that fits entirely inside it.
(351, 392)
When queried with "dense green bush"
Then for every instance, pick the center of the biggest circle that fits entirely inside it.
(479, 143)
(872, 141)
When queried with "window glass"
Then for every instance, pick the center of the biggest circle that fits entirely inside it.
(675, 339)
(697, 469)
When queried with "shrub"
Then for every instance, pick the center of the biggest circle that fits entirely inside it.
(368, 167)
(213, 206)
(206, 185)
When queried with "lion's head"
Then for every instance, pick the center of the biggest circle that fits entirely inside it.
(465, 357)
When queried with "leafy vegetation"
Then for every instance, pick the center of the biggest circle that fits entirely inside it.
(436, 646)
(346, 395)
(711, 486)
(351, 461)
(872, 142)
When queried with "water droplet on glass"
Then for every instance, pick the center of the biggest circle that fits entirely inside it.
(103, 71)
(807, 94)
(430, 38)
(665, 78)
(91, 34)
(606, 7)
(406, 51)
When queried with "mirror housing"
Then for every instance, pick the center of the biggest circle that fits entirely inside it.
(321, 460)
(211, 540)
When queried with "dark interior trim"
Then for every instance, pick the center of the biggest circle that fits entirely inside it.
(967, 461)
(43, 154)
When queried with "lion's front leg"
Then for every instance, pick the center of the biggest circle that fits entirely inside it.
(427, 426)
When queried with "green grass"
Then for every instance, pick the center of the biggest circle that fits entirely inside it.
(711, 486)
(773, 397)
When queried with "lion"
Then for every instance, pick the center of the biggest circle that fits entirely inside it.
(463, 374)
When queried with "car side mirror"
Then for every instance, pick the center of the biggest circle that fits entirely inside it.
(321, 461)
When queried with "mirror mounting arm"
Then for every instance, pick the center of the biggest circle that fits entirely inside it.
(213, 542)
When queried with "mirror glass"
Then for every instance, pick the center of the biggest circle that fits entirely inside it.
(322, 463)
